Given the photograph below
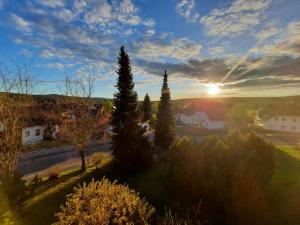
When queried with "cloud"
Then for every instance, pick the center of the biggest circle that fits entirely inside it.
(47, 54)
(83, 31)
(101, 12)
(255, 73)
(186, 8)
(241, 16)
(287, 43)
(149, 33)
(182, 49)
(21, 24)
(56, 65)
(52, 3)
(216, 50)
(65, 14)
(104, 12)
(26, 52)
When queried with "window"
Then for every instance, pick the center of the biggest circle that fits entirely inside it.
(37, 132)
(283, 119)
(27, 133)
(282, 127)
(276, 118)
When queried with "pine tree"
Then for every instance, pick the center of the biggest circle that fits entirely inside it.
(128, 135)
(147, 110)
(164, 129)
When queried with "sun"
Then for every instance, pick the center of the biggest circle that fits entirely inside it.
(213, 88)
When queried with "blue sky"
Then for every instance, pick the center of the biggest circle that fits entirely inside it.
(245, 47)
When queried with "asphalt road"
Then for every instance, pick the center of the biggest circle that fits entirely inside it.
(40, 162)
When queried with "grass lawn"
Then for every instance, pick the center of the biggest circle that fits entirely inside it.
(284, 187)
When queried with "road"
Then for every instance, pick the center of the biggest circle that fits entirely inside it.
(40, 162)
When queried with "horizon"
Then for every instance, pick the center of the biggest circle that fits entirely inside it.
(211, 49)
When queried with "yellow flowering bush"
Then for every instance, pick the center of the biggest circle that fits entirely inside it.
(105, 202)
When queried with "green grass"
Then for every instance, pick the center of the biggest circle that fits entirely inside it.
(284, 186)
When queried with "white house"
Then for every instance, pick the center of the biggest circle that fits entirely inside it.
(200, 120)
(282, 123)
(31, 135)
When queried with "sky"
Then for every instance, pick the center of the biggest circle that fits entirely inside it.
(242, 47)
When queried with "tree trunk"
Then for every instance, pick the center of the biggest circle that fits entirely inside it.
(83, 166)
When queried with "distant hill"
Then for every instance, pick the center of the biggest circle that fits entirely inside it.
(267, 106)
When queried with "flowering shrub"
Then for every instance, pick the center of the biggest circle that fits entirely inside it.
(105, 202)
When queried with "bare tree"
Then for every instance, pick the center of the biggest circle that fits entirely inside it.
(13, 113)
(80, 126)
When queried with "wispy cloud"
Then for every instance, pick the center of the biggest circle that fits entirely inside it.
(21, 24)
(186, 8)
(182, 49)
(241, 16)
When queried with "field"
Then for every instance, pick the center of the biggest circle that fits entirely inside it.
(283, 189)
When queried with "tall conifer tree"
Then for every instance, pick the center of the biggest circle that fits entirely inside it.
(147, 110)
(128, 143)
(164, 129)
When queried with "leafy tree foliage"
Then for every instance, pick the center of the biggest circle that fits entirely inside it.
(147, 110)
(128, 143)
(229, 174)
(105, 202)
(164, 129)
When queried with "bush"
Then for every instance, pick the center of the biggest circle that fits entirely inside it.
(14, 189)
(54, 172)
(105, 202)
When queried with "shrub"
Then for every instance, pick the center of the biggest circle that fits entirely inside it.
(14, 189)
(54, 172)
(105, 202)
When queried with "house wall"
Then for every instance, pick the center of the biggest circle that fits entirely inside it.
(200, 119)
(283, 123)
(29, 135)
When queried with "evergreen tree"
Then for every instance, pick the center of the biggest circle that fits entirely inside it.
(164, 129)
(147, 110)
(128, 135)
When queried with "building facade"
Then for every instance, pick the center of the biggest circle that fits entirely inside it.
(282, 123)
(200, 120)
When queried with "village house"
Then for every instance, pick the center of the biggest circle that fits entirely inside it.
(282, 123)
(201, 120)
